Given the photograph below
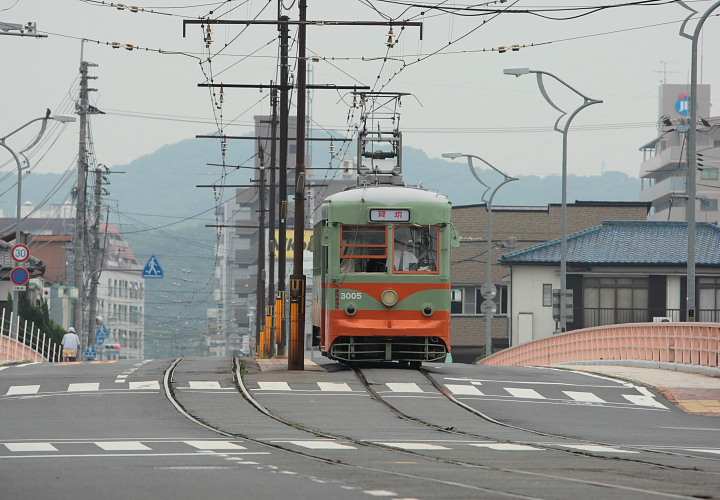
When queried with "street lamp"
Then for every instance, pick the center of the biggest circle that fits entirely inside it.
(587, 101)
(488, 289)
(692, 154)
(44, 120)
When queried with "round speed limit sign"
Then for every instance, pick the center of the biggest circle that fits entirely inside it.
(20, 253)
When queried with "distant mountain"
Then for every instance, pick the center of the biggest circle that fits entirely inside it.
(163, 183)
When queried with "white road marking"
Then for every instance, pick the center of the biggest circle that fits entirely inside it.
(212, 384)
(334, 386)
(403, 387)
(415, 446)
(274, 386)
(214, 445)
(596, 448)
(22, 389)
(637, 399)
(464, 390)
(506, 446)
(524, 393)
(380, 493)
(320, 445)
(717, 452)
(586, 397)
(122, 445)
(148, 384)
(30, 447)
(82, 387)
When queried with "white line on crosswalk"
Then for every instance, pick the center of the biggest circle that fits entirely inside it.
(274, 386)
(506, 446)
(415, 446)
(81, 387)
(637, 399)
(211, 384)
(122, 446)
(22, 389)
(334, 386)
(524, 393)
(403, 387)
(214, 445)
(320, 445)
(464, 390)
(30, 447)
(147, 384)
(585, 397)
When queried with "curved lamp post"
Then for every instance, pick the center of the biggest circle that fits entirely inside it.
(20, 168)
(488, 289)
(587, 101)
(692, 153)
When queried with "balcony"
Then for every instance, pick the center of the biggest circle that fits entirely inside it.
(669, 157)
(663, 189)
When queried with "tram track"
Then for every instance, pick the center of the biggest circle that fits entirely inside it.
(620, 489)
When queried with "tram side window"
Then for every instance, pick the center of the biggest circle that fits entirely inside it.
(363, 249)
(415, 249)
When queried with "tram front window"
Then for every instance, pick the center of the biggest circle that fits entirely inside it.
(363, 249)
(415, 249)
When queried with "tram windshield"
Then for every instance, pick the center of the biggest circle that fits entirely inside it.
(364, 249)
(415, 249)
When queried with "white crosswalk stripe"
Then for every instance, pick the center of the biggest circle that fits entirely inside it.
(147, 384)
(34, 447)
(524, 393)
(274, 386)
(506, 446)
(585, 397)
(334, 386)
(211, 384)
(403, 387)
(82, 387)
(464, 390)
(122, 446)
(320, 445)
(214, 445)
(596, 448)
(22, 389)
(415, 446)
(637, 399)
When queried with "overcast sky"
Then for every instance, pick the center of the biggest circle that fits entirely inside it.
(462, 101)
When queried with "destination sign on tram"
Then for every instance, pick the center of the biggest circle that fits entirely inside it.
(389, 215)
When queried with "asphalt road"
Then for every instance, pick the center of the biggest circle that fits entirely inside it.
(202, 428)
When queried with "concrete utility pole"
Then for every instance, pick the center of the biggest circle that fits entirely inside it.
(260, 292)
(96, 256)
(282, 191)
(272, 243)
(80, 206)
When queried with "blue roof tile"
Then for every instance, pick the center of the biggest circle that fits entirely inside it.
(628, 242)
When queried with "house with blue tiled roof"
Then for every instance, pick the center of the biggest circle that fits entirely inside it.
(618, 272)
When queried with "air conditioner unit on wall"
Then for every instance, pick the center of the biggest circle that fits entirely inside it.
(661, 319)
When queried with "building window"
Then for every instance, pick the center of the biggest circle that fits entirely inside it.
(709, 205)
(709, 174)
(708, 299)
(609, 301)
(547, 295)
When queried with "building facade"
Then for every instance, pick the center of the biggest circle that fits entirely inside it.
(664, 169)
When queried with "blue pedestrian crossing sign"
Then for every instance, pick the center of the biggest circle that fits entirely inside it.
(153, 269)
(90, 352)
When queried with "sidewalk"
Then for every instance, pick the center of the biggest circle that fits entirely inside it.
(692, 392)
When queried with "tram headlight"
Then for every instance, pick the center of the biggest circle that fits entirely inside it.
(427, 310)
(389, 298)
(350, 309)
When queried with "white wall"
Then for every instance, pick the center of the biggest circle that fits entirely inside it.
(527, 294)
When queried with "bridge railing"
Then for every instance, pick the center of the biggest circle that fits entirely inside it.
(686, 343)
(22, 342)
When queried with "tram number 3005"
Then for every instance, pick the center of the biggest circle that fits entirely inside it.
(351, 295)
